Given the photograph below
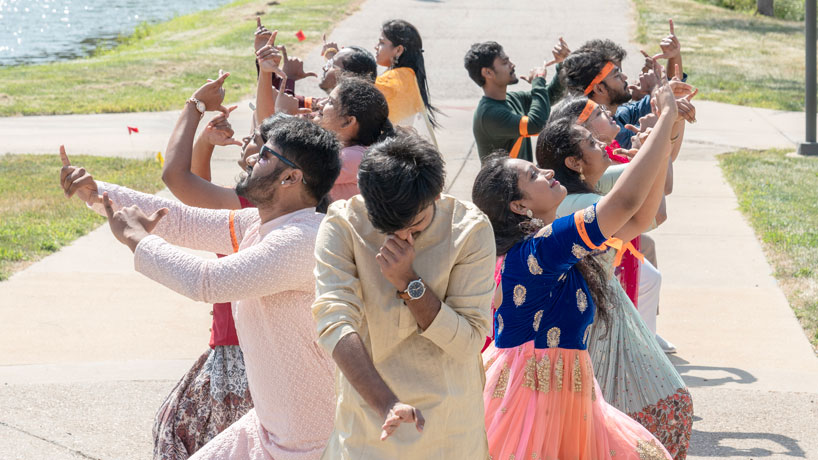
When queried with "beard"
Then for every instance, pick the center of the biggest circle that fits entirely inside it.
(621, 97)
(259, 190)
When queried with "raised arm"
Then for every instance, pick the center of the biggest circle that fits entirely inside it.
(177, 172)
(640, 178)
(280, 262)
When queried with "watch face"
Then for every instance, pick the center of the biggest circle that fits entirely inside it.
(200, 106)
(416, 289)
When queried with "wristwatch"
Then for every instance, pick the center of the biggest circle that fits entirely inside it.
(414, 291)
(200, 106)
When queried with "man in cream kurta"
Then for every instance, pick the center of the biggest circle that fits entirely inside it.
(438, 370)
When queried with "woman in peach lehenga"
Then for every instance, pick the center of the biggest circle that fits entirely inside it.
(541, 399)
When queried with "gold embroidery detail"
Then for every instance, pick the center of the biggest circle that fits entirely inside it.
(504, 410)
(582, 301)
(534, 455)
(530, 373)
(500, 324)
(537, 319)
(587, 333)
(553, 336)
(558, 372)
(533, 266)
(578, 251)
(502, 382)
(590, 372)
(589, 214)
(503, 267)
(490, 362)
(577, 375)
(562, 277)
(613, 453)
(547, 231)
(648, 450)
(511, 457)
(544, 374)
(519, 294)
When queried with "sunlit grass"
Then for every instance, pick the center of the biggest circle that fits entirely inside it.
(35, 217)
(161, 65)
(731, 56)
(779, 196)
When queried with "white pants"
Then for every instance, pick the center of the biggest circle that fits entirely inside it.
(650, 283)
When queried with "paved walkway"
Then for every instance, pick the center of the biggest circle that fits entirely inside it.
(89, 348)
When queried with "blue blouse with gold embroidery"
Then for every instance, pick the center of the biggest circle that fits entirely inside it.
(545, 297)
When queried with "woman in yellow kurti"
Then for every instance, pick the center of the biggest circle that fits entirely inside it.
(400, 49)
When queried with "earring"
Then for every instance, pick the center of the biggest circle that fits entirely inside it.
(535, 221)
(394, 60)
(581, 176)
(282, 182)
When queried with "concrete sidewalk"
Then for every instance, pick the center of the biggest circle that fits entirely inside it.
(89, 348)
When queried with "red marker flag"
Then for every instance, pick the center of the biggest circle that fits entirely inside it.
(300, 36)
(133, 129)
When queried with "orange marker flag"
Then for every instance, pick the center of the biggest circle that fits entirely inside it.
(133, 129)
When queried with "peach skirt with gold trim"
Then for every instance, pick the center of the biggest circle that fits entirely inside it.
(546, 404)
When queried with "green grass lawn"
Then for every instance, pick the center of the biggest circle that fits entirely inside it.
(160, 65)
(779, 196)
(35, 217)
(731, 56)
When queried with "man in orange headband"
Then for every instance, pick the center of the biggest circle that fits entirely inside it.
(506, 120)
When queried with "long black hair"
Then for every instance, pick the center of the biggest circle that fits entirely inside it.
(400, 32)
(495, 187)
(557, 141)
(359, 98)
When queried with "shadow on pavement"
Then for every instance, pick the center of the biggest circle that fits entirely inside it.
(707, 444)
(710, 376)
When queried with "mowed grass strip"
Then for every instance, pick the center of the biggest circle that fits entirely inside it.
(779, 196)
(731, 56)
(164, 63)
(35, 217)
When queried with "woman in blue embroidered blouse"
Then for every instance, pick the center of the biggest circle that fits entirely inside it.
(540, 397)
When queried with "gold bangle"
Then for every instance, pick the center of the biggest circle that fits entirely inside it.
(329, 50)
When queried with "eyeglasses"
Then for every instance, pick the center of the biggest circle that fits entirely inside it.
(268, 151)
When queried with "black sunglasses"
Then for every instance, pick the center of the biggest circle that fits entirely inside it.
(267, 150)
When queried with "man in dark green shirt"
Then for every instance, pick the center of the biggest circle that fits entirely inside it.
(506, 120)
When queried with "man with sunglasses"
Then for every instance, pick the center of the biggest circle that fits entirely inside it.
(404, 282)
(268, 276)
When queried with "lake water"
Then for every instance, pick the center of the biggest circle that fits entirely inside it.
(36, 31)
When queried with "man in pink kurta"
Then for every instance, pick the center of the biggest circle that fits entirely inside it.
(269, 280)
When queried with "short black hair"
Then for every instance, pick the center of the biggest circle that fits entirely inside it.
(479, 56)
(361, 99)
(313, 149)
(579, 70)
(361, 63)
(605, 47)
(398, 178)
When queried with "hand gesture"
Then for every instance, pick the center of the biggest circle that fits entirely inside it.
(534, 73)
(219, 131)
(287, 103)
(670, 45)
(269, 56)
(648, 121)
(640, 135)
(680, 88)
(630, 153)
(560, 52)
(129, 225)
(329, 49)
(686, 109)
(212, 93)
(401, 413)
(294, 67)
(77, 180)
(395, 259)
(262, 35)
